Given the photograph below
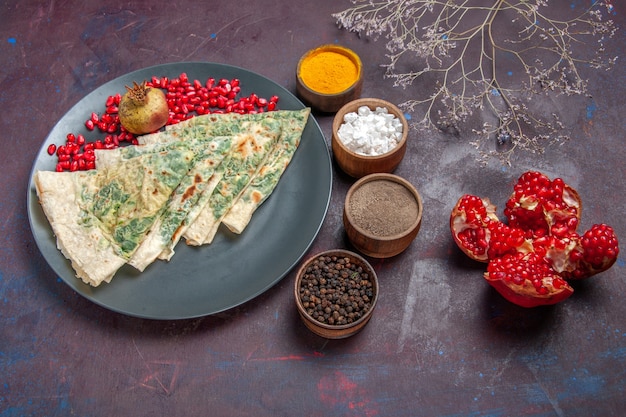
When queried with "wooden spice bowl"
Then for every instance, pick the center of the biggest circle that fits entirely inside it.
(357, 165)
(382, 214)
(332, 296)
(323, 101)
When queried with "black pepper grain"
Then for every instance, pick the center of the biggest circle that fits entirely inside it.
(335, 291)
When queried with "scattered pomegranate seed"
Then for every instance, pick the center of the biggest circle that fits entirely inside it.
(185, 99)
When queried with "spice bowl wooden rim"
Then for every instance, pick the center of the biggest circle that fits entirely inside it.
(374, 245)
(329, 103)
(357, 165)
(326, 330)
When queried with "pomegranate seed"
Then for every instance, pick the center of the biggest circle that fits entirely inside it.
(89, 124)
(52, 149)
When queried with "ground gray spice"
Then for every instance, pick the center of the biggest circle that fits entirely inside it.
(384, 208)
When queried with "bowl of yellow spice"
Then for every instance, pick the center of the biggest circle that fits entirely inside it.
(328, 77)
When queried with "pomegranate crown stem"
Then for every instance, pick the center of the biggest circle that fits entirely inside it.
(138, 92)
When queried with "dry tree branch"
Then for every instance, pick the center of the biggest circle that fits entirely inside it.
(461, 49)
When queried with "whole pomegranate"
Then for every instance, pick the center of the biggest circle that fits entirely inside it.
(143, 109)
(532, 256)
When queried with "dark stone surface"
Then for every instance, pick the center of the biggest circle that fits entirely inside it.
(441, 342)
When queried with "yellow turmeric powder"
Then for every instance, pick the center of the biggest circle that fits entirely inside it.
(328, 72)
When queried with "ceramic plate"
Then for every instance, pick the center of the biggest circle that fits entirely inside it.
(200, 281)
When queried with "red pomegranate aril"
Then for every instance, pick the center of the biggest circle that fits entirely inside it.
(89, 124)
(52, 148)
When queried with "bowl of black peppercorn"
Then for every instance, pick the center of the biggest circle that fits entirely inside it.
(336, 292)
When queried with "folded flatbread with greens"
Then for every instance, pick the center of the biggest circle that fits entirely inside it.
(266, 179)
(100, 217)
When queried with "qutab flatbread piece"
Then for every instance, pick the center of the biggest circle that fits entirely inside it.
(100, 217)
(266, 179)
(167, 230)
